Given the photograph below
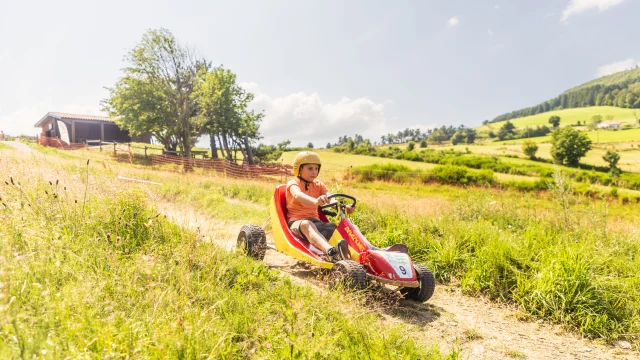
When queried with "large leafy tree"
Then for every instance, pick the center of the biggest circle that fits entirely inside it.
(155, 94)
(569, 145)
(224, 106)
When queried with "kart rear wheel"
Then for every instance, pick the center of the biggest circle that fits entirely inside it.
(349, 274)
(253, 241)
(427, 285)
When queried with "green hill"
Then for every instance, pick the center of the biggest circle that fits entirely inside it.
(621, 89)
(570, 117)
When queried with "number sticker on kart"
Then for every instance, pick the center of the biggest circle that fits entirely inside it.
(400, 263)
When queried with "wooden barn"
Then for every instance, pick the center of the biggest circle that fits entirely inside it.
(70, 129)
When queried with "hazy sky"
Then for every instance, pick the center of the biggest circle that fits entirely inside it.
(323, 69)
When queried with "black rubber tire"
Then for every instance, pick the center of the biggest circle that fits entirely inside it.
(427, 285)
(348, 274)
(253, 241)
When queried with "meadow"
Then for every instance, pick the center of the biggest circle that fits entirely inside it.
(90, 268)
(557, 255)
(569, 117)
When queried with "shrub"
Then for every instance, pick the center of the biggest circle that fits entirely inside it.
(530, 148)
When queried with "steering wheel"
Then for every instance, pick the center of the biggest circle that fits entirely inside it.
(340, 202)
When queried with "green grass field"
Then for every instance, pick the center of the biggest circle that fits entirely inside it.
(568, 117)
(138, 286)
(91, 269)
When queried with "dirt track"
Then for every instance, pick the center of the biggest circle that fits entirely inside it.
(479, 328)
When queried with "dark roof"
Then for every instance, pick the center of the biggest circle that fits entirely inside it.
(60, 116)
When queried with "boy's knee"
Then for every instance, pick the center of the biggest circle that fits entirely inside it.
(305, 225)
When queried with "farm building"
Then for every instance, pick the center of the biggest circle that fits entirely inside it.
(609, 125)
(72, 129)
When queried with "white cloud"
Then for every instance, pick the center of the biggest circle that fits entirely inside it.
(454, 21)
(497, 7)
(304, 118)
(617, 66)
(21, 121)
(490, 32)
(579, 6)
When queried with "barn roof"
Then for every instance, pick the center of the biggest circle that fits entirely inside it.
(60, 116)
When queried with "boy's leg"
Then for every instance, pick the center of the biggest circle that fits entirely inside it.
(326, 229)
(309, 230)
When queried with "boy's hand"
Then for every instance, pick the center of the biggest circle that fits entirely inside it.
(350, 209)
(322, 200)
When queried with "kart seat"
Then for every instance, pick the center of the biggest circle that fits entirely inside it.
(281, 207)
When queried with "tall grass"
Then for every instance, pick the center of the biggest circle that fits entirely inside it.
(567, 268)
(121, 281)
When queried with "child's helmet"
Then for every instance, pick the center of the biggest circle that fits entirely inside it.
(305, 157)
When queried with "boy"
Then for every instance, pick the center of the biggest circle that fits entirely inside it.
(304, 195)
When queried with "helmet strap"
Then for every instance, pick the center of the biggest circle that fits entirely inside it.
(306, 183)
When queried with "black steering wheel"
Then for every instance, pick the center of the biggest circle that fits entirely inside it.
(341, 203)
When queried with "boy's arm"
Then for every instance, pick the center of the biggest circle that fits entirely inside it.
(306, 199)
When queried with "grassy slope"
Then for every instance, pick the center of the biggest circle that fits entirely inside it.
(600, 136)
(109, 278)
(567, 263)
(629, 152)
(568, 117)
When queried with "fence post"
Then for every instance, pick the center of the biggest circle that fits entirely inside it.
(100, 144)
(114, 148)
(145, 152)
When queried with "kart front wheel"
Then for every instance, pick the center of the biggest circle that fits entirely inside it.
(427, 285)
(349, 274)
(253, 241)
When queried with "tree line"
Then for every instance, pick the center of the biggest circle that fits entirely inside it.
(624, 94)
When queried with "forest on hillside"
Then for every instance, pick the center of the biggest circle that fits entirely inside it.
(620, 89)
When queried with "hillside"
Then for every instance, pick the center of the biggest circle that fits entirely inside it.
(621, 89)
(570, 117)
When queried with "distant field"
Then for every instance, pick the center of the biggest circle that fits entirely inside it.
(600, 136)
(338, 161)
(569, 116)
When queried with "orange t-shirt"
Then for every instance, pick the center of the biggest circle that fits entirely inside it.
(296, 209)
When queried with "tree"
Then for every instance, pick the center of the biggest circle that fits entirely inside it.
(530, 148)
(411, 146)
(423, 143)
(594, 121)
(155, 94)
(555, 121)
(267, 153)
(470, 135)
(458, 138)
(223, 104)
(612, 158)
(506, 130)
(310, 145)
(328, 145)
(569, 145)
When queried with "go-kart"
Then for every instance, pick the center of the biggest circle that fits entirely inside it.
(391, 265)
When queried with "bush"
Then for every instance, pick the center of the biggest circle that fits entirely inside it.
(530, 148)
(569, 145)
(411, 146)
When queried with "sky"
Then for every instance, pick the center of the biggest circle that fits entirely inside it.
(323, 69)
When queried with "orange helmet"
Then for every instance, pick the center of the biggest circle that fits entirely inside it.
(305, 157)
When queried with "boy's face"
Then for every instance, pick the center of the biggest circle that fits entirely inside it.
(309, 172)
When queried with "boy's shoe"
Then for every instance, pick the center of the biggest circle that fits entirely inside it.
(338, 252)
